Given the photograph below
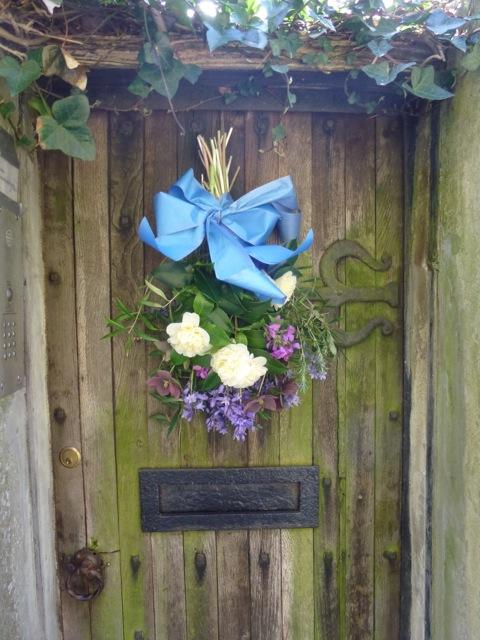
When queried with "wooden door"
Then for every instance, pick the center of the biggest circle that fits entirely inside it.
(338, 581)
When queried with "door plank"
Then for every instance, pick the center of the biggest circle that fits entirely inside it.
(264, 444)
(92, 258)
(389, 358)
(328, 168)
(232, 546)
(160, 171)
(360, 387)
(296, 424)
(197, 445)
(129, 369)
(58, 254)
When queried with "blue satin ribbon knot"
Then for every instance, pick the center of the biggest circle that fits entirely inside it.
(236, 231)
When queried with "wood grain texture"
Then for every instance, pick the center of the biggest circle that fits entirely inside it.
(264, 445)
(58, 251)
(160, 171)
(197, 445)
(328, 169)
(360, 388)
(129, 368)
(296, 425)
(234, 602)
(92, 259)
(389, 382)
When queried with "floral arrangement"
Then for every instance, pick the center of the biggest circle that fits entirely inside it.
(230, 318)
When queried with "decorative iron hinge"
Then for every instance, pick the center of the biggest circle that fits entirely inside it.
(335, 293)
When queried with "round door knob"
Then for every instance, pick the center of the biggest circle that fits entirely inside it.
(70, 457)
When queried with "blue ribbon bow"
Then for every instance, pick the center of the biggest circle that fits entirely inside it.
(236, 231)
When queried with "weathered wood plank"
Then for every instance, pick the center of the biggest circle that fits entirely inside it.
(197, 447)
(418, 314)
(389, 387)
(234, 603)
(92, 260)
(296, 425)
(58, 255)
(264, 445)
(160, 171)
(328, 219)
(129, 369)
(360, 387)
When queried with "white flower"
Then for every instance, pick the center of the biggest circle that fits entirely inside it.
(286, 283)
(187, 337)
(237, 367)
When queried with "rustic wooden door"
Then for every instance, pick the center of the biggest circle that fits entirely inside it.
(340, 580)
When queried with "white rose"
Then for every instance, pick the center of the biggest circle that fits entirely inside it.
(286, 284)
(237, 367)
(187, 337)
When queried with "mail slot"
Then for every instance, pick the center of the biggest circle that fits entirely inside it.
(189, 499)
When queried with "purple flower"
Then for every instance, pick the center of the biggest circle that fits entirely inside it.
(316, 366)
(281, 342)
(164, 384)
(201, 372)
(193, 401)
(226, 407)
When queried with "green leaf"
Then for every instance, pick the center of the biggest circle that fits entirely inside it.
(221, 319)
(274, 366)
(19, 76)
(39, 106)
(471, 62)
(440, 22)
(7, 109)
(383, 73)
(279, 133)
(139, 87)
(423, 84)
(210, 382)
(53, 62)
(201, 305)
(177, 358)
(156, 290)
(72, 112)
(76, 142)
(218, 337)
(175, 275)
(256, 339)
(241, 338)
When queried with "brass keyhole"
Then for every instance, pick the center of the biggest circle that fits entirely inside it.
(70, 457)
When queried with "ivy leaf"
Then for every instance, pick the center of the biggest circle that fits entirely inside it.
(139, 87)
(440, 22)
(255, 38)
(19, 76)
(66, 128)
(382, 73)
(53, 62)
(460, 42)
(278, 133)
(7, 109)
(287, 42)
(471, 62)
(166, 81)
(279, 68)
(379, 47)
(423, 84)
(72, 112)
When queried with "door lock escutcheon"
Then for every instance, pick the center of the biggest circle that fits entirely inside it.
(70, 457)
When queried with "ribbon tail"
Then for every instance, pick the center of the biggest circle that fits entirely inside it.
(232, 264)
(146, 234)
(275, 254)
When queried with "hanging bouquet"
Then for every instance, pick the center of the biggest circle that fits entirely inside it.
(230, 317)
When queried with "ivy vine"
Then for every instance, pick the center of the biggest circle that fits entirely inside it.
(404, 45)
